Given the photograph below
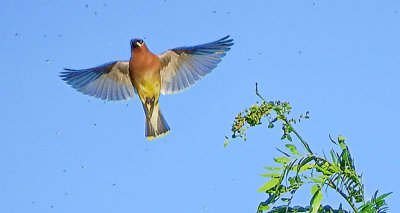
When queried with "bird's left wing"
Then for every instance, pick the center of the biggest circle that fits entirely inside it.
(109, 81)
(184, 66)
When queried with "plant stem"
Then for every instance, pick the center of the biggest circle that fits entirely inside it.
(333, 186)
(257, 93)
(305, 144)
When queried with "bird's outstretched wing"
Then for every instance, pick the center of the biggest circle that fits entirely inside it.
(109, 81)
(184, 66)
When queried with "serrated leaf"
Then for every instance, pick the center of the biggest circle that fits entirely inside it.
(292, 149)
(282, 159)
(268, 185)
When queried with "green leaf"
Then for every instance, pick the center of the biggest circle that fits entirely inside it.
(341, 139)
(317, 180)
(282, 159)
(384, 196)
(226, 142)
(314, 189)
(334, 157)
(342, 145)
(263, 208)
(292, 149)
(268, 185)
(273, 168)
(289, 138)
(323, 170)
(274, 174)
(303, 162)
(316, 199)
(322, 176)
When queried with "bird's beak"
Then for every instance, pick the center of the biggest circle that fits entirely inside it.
(135, 43)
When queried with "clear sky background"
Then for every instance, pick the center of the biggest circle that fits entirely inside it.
(62, 151)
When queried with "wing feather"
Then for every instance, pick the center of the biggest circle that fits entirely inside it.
(184, 66)
(109, 81)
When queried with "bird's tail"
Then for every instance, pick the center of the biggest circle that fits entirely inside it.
(156, 126)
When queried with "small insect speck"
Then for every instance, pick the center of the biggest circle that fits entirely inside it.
(300, 52)
(59, 35)
(95, 124)
(58, 133)
(228, 13)
(95, 13)
(104, 4)
(44, 36)
(64, 170)
(16, 34)
(87, 5)
(114, 184)
(214, 11)
(47, 61)
(248, 59)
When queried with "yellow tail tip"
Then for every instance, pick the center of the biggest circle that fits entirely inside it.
(150, 138)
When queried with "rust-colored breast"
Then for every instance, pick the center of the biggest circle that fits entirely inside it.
(144, 68)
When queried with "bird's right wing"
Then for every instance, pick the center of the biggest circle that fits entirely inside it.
(109, 81)
(184, 66)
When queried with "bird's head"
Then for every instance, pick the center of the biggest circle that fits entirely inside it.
(137, 43)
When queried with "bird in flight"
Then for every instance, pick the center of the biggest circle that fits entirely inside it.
(148, 74)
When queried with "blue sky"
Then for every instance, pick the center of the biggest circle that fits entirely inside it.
(62, 151)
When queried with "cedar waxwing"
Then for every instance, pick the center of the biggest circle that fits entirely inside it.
(148, 75)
